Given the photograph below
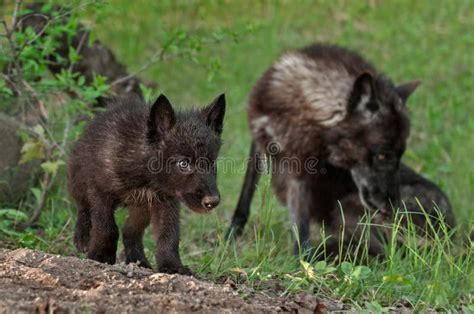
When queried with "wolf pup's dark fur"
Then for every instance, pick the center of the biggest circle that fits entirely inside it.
(414, 188)
(148, 159)
(328, 103)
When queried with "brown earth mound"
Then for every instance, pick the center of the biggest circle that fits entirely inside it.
(32, 281)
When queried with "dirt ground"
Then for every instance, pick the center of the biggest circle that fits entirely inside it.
(32, 281)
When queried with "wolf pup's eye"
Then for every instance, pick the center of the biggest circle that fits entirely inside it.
(184, 164)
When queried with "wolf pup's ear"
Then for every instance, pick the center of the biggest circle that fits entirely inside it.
(162, 118)
(214, 113)
(362, 96)
(406, 89)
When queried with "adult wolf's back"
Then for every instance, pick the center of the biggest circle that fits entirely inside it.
(328, 103)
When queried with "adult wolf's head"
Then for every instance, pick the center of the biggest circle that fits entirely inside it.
(371, 140)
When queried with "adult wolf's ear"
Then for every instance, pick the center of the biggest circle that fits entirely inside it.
(406, 89)
(162, 117)
(362, 96)
(214, 113)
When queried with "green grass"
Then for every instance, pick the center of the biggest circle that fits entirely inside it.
(427, 40)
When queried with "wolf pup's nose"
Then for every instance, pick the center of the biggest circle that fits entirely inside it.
(210, 202)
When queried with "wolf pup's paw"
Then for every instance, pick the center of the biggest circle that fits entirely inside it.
(182, 270)
(81, 241)
(103, 257)
(144, 264)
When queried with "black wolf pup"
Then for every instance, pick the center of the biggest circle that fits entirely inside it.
(148, 159)
(415, 190)
(328, 104)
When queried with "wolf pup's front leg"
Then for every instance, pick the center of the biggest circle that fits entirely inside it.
(104, 232)
(138, 219)
(165, 227)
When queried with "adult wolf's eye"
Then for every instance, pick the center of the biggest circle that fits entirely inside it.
(381, 157)
(184, 164)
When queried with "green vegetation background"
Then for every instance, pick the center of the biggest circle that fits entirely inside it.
(428, 40)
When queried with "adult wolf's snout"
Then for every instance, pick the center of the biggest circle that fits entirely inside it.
(210, 201)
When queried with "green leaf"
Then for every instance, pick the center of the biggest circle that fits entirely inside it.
(396, 279)
(9, 231)
(31, 150)
(330, 270)
(4, 89)
(92, 38)
(308, 270)
(37, 193)
(346, 268)
(361, 272)
(210, 76)
(13, 214)
(28, 240)
(182, 34)
(73, 55)
(374, 307)
(39, 130)
(81, 80)
(99, 80)
(320, 266)
(51, 166)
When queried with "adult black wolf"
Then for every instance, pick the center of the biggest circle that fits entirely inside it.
(326, 103)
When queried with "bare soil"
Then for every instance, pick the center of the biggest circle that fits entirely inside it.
(32, 281)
